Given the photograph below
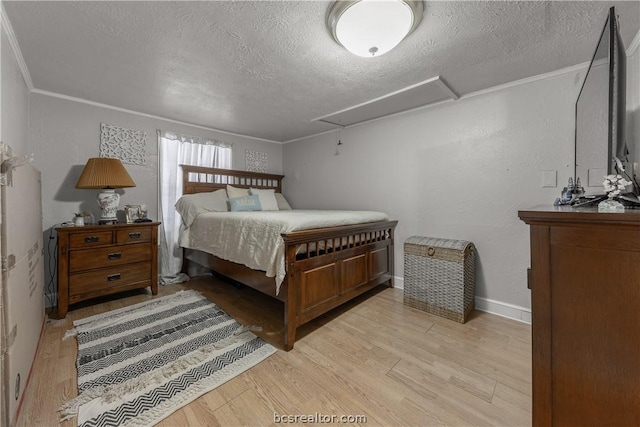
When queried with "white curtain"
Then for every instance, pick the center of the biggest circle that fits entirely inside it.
(175, 150)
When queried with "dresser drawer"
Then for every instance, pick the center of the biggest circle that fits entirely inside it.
(91, 259)
(108, 278)
(90, 239)
(133, 235)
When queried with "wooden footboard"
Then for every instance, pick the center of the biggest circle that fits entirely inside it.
(327, 267)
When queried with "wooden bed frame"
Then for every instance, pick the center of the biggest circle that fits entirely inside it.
(360, 256)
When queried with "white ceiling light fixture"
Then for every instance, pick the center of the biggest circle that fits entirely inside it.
(371, 28)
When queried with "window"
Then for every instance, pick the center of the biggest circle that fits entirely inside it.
(175, 150)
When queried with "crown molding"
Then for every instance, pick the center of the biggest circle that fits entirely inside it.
(151, 116)
(635, 44)
(498, 88)
(15, 47)
(302, 138)
(539, 77)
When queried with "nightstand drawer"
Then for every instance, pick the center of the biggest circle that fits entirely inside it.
(108, 278)
(90, 238)
(106, 257)
(133, 235)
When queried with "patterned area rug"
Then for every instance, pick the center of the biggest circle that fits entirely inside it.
(139, 364)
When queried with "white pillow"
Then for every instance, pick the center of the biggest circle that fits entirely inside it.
(190, 205)
(234, 192)
(267, 198)
(283, 205)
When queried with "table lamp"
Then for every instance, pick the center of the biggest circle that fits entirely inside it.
(105, 174)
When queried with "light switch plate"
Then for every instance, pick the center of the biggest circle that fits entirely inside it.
(549, 178)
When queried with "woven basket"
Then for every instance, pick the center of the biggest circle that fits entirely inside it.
(440, 276)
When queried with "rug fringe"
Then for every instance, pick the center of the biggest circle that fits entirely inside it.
(56, 323)
(73, 332)
(249, 328)
(70, 408)
(151, 417)
(116, 316)
(154, 378)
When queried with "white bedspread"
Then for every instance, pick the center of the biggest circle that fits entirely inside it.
(254, 238)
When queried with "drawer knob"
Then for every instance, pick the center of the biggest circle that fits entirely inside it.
(113, 277)
(135, 235)
(115, 255)
(431, 251)
(91, 239)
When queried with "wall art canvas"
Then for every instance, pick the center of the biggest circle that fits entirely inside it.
(128, 145)
(256, 161)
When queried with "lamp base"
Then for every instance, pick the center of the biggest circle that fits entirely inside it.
(108, 201)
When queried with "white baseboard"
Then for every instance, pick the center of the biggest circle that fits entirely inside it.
(504, 309)
(398, 282)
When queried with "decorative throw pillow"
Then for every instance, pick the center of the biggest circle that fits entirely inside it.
(237, 192)
(267, 198)
(190, 205)
(245, 203)
(283, 205)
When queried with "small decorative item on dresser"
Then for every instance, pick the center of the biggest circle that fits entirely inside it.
(89, 219)
(78, 219)
(132, 213)
(143, 212)
(613, 186)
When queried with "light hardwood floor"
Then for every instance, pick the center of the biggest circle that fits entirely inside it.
(374, 357)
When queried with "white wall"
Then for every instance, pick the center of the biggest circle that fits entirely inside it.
(65, 133)
(15, 105)
(457, 170)
(17, 357)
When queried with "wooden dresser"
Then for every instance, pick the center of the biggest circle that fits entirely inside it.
(585, 300)
(105, 259)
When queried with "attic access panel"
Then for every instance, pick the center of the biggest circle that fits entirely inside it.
(424, 93)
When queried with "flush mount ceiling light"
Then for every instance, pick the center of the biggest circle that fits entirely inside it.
(371, 28)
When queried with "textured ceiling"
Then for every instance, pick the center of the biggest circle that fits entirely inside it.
(267, 68)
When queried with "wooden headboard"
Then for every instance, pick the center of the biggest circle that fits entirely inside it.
(200, 179)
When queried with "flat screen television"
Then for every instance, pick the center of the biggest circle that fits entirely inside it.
(600, 145)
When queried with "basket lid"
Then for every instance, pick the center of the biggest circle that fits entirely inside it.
(438, 243)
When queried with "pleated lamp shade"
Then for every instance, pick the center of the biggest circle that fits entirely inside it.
(104, 172)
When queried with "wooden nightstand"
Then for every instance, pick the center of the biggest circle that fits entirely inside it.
(105, 259)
